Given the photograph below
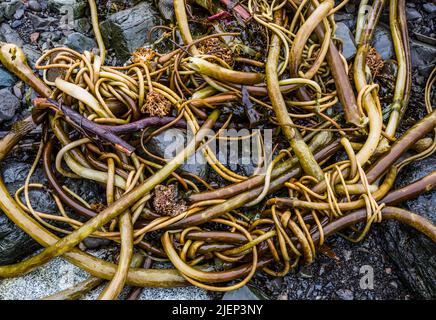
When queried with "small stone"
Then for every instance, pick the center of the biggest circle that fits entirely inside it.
(17, 90)
(6, 79)
(168, 143)
(413, 15)
(16, 23)
(382, 42)
(34, 37)
(423, 57)
(39, 22)
(127, 30)
(19, 14)
(11, 8)
(430, 8)
(244, 293)
(82, 25)
(95, 243)
(79, 42)
(345, 294)
(8, 106)
(35, 6)
(388, 270)
(348, 45)
(7, 34)
(32, 54)
(76, 8)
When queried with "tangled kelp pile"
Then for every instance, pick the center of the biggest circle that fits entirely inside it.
(96, 119)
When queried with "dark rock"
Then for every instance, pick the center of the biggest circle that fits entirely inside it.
(382, 42)
(16, 23)
(414, 254)
(423, 57)
(345, 294)
(413, 15)
(31, 53)
(344, 33)
(168, 143)
(7, 34)
(72, 8)
(430, 8)
(39, 23)
(79, 42)
(9, 105)
(127, 30)
(6, 79)
(11, 8)
(347, 18)
(244, 293)
(14, 243)
(166, 9)
(19, 14)
(2, 12)
(35, 6)
(95, 243)
(82, 25)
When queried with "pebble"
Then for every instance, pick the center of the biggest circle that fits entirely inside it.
(9, 104)
(6, 79)
(430, 8)
(345, 294)
(35, 6)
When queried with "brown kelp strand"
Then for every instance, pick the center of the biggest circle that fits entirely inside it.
(326, 158)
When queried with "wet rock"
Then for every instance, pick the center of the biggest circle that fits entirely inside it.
(127, 30)
(14, 243)
(168, 143)
(7, 34)
(244, 293)
(31, 53)
(95, 243)
(6, 79)
(9, 105)
(19, 14)
(382, 42)
(345, 294)
(82, 25)
(414, 254)
(79, 42)
(35, 6)
(39, 23)
(344, 33)
(11, 7)
(16, 23)
(75, 8)
(413, 15)
(430, 8)
(423, 57)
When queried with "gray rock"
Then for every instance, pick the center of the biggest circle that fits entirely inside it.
(127, 30)
(39, 23)
(9, 105)
(244, 293)
(14, 243)
(31, 53)
(34, 6)
(7, 34)
(382, 42)
(11, 8)
(95, 243)
(16, 23)
(74, 8)
(345, 294)
(19, 14)
(413, 15)
(82, 25)
(79, 42)
(414, 254)
(423, 57)
(166, 9)
(58, 274)
(6, 79)
(2, 12)
(430, 8)
(168, 143)
(344, 33)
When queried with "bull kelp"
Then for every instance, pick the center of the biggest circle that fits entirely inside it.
(331, 166)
